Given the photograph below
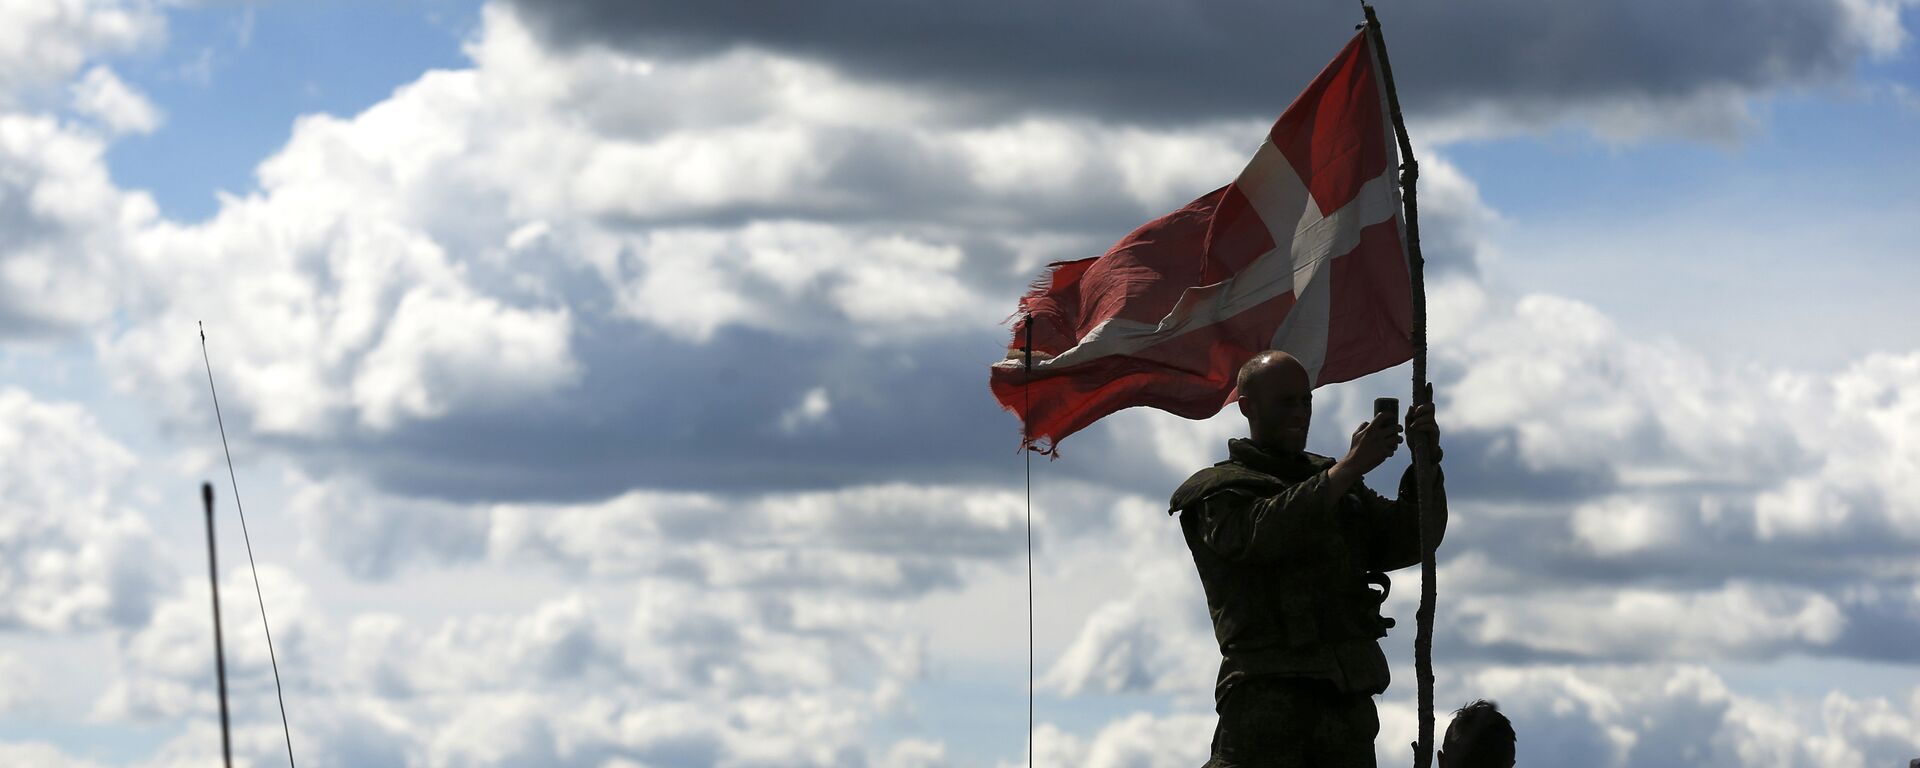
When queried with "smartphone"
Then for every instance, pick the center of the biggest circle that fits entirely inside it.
(1389, 406)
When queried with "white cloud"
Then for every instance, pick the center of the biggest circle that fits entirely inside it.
(19, 684)
(460, 248)
(1151, 636)
(45, 43)
(1739, 621)
(101, 94)
(373, 536)
(812, 409)
(332, 319)
(440, 351)
(365, 287)
(1619, 525)
(1135, 740)
(75, 556)
(41, 755)
(1875, 423)
(1875, 25)
(1717, 113)
(895, 540)
(1630, 717)
(1572, 391)
(324, 735)
(65, 227)
(915, 753)
(668, 674)
(786, 276)
(164, 664)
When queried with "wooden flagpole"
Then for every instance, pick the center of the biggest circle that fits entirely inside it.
(1423, 451)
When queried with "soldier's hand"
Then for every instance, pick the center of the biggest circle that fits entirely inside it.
(1420, 419)
(1372, 443)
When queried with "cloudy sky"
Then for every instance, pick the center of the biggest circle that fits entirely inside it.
(607, 380)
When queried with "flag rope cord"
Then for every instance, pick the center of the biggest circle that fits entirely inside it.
(1026, 452)
(233, 478)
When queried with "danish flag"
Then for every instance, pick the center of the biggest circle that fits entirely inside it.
(1303, 252)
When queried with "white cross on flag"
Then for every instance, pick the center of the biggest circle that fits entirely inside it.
(1302, 253)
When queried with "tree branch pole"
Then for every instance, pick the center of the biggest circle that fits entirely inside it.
(1423, 465)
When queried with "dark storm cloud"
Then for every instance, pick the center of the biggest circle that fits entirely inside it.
(651, 412)
(1175, 61)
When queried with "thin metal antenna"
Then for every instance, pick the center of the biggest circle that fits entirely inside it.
(271, 658)
(219, 650)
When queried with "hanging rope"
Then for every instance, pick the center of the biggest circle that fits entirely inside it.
(1423, 450)
(1027, 453)
(205, 359)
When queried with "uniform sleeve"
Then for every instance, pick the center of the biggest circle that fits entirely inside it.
(1239, 525)
(1396, 523)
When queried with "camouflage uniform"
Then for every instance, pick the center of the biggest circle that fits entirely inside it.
(1289, 571)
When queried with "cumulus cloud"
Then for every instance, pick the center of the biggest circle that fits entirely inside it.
(1133, 740)
(46, 43)
(1551, 385)
(325, 736)
(498, 260)
(812, 409)
(333, 322)
(890, 541)
(915, 753)
(1610, 716)
(165, 661)
(41, 754)
(447, 350)
(1651, 411)
(1660, 715)
(75, 555)
(63, 227)
(717, 365)
(18, 682)
(1739, 621)
(373, 536)
(1154, 636)
(1662, 484)
(670, 674)
(1667, 509)
(101, 94)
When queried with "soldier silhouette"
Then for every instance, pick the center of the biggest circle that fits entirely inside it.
(1290, 547)
(1478, 737)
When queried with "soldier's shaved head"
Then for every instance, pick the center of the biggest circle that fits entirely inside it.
(1276, 396)
(1272, 368)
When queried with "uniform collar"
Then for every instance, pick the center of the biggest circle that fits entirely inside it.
(1286, 465)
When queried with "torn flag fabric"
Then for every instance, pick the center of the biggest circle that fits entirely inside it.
(1303, 252)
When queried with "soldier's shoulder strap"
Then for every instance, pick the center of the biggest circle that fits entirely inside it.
(1224, 476)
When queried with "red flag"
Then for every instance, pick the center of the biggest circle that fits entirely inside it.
(1302, 253)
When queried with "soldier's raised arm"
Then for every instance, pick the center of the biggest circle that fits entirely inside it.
(1396, 523)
